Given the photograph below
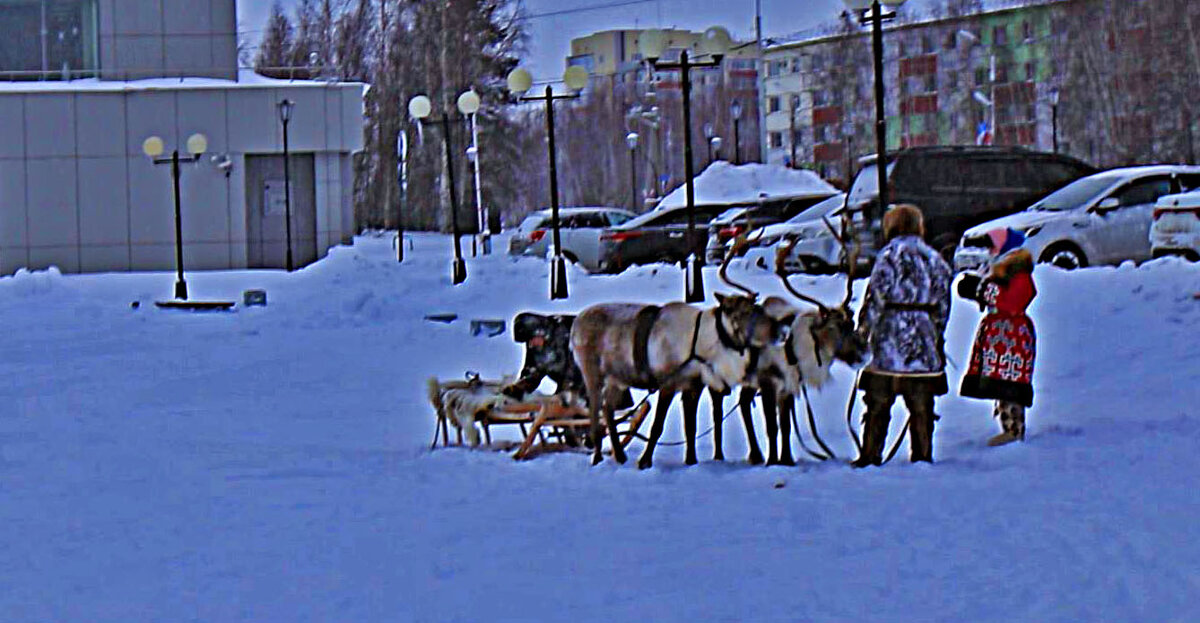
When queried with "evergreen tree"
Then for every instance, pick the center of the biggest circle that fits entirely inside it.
(276, 45)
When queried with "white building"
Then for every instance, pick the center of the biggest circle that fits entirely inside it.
(83, 83)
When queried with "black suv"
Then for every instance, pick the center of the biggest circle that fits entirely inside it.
(958, 187)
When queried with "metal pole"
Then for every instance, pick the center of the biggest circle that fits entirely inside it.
(480, 212)
(694, 278)
(459, 270)
(287, 194)
(737, 143)
(558, 266)
(402, 156)
(1053, 125)
(633, 203)
(880, 120)
(180, 285)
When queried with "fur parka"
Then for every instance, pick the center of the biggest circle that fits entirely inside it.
(1005, 344)
(906, 309)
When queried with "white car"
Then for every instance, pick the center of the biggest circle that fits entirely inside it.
(1099, 219)
(578, 231)
(1176, 227)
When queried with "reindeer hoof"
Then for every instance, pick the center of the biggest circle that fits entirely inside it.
(619, 456)
(754, 459)
(788, 461)
(596, 459)
(645, 463)
(691, 460)
(718, 457)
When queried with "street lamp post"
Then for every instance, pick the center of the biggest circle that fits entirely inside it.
(469, 104)
(714, 146)
(735, 111)
(1054, 118)
(402, 188)
(715, 44)
(196, 146)
(871, 12)
(519, 82)
(285, 116)
(420, 107)
(708, 136)
(631, 140)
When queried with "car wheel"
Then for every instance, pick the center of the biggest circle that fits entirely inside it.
(1065, 256)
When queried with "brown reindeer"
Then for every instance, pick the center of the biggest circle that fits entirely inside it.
(673, 348)
(814, 340)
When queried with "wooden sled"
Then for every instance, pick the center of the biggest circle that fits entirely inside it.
(547, 423)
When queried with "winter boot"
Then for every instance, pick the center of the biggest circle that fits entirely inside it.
(1012, 423)
(875, 427)
(921, 423)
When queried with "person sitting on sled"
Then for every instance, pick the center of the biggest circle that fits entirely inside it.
(1001, 367)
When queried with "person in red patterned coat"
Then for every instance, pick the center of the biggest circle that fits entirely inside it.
(1002, 356)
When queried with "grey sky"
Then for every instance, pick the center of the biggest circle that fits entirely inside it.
(550, 36)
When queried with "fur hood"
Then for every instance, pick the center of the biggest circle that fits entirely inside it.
(1010, 264)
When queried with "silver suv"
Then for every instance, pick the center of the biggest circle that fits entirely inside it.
(1099, 219)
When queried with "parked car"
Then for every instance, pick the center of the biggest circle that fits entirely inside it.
(957, 187)
(658, 236)
(1100, 219)
(1176, 226)
(740, 219)
(578, 231)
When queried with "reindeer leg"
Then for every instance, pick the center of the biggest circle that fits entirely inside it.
(691, 400)
(656, 428)
(594, 384)
(771, 417)
(787, 408)
(611, 393)
(718, 416)
(746, 404)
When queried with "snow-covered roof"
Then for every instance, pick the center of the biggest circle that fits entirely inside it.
(247, 78)
(725, 184)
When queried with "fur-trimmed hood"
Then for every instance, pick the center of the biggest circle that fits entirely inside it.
(1009, 264)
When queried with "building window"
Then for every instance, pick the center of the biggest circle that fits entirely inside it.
(1031, 71)
(1001, 73)
(1000, 35)
(952, 80)
(930, 85)
(926, 44)
(981, 75)
(819, 97)
(775, 139)
(48, 38)
(1026, 31)
(773, 104)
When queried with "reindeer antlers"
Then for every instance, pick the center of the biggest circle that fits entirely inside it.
(781, 252)
(851, 254)
(739, 244)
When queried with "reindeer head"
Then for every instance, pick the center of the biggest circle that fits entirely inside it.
(832, 325)
(747, 322)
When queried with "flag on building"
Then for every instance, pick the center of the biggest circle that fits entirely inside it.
(984, 136)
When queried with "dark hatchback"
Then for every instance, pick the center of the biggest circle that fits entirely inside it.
(658, 236)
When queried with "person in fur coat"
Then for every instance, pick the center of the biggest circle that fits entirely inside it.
(1001, 367)
(904, 318)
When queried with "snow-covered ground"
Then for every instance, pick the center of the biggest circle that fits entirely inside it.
(272, 464)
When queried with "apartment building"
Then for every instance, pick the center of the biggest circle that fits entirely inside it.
(989, 77)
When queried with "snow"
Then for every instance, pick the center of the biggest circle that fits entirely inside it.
(272, 464)
(724, 183)
(247, 78)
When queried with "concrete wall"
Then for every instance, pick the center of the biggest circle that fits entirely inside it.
(77, 192)
(168, 38)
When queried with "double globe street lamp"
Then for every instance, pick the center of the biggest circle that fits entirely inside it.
(153, 147)
(715, 44)
(420, 107)
(519, 82)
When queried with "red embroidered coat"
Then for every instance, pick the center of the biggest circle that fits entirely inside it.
(1002, 357)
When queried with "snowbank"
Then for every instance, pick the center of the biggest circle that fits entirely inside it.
(723, 183)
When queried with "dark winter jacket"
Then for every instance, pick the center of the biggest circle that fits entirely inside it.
(1005, 345)
(906, 309)
(547, 342)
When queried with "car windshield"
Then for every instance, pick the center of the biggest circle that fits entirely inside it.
(820, 209)
(731, 213)
(1074, 195)
(531, 222)
(866, 185)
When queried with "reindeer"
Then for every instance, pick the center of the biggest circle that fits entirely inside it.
(673, 348)
(814, 340)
